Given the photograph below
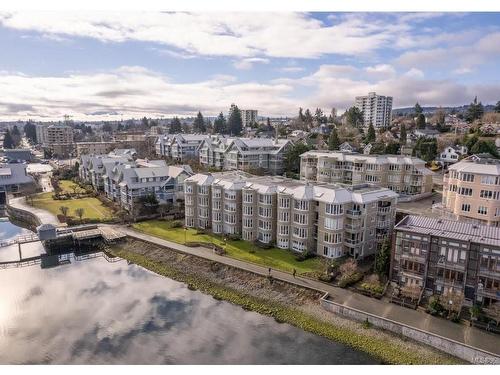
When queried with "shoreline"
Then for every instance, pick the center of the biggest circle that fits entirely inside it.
(285, 302)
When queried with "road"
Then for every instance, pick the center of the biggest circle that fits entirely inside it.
(414, 318)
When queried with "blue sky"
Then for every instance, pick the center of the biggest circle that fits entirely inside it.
(107, 65)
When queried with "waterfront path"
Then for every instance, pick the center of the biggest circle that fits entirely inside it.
(414, 318)
(44, 216)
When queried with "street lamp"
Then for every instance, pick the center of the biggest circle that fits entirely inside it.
(185, 235)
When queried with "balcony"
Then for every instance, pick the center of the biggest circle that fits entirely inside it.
(353, 213)
(489, 273)
(489, 293)
(451, 266)
(383, 224)
(353, 227)
(384, 210)
(351, 242)
(413, 257)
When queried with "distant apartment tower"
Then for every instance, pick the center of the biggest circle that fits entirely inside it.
(377, 109)
(248, 116)
(41, 133)
(471, 190)
(438, 255)
(59, 133)
(328, 220)
(404, 175)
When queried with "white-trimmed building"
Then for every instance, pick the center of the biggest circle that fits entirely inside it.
(404, 175)
(329, 220)
(180, 146)
(377, 109)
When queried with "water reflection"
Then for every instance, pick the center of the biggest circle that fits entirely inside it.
(96, 312)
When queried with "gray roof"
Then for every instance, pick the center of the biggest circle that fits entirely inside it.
(451, 229)
(14, 174)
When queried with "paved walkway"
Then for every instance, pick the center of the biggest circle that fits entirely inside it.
(44, 216)
(414, 318)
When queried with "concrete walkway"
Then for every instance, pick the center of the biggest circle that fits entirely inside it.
(414, 318)
(44, 216)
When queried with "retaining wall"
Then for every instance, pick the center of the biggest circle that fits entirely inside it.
(23, 215)
(455, 348)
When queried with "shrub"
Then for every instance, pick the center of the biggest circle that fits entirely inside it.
(234, 237)
(325, 278)
(347, 280)
(373, 288)
(176, 224)
(304, 255)
(435, 307)
(262, 245)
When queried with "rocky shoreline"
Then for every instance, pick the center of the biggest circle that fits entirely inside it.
(283, 301)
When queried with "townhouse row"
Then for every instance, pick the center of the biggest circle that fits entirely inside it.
(328, 220)
(407, 176)
(226, 153)
(127, 181)
(439, 255)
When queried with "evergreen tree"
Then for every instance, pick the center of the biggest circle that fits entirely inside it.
(8, 141)
(301, 115)
(481, 146)
(497, 107)
(426, 149)
(475, 111)
(220, 124)
(16, 136)
(175, 126)
(30, 131)
(371, 136)
(354, 116)
(145, 122)
(318, 116)
(421, 121)
(333, 140)
(403, 135)
(418, 109)
(291, 159)
(234, 122)
(392, 148)
(308, 119)
(383, 259)
(199, 124)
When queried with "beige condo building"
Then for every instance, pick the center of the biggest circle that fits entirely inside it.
(471, 190)
(329, 220)
(404, 175)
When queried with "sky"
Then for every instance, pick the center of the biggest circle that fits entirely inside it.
(103, 65)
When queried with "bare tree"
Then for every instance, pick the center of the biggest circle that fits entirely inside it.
(411, 291)
(349, 268)
(64, 211)
(452, 300)
(79, 212)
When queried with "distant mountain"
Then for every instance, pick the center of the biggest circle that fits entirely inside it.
(431, 110)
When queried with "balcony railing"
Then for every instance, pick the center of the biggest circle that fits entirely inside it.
(353, 212)
(487, 272)
(384, 210)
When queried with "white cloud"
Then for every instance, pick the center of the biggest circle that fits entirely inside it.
(292, 69)
(381, 70)
(133, 91)
(414, 73)
(248, 63)
(234, 34)
(462, 71)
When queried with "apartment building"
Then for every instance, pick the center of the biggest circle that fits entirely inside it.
(58, 140)
(95, 148)
(14, 179)
(248, 117)
(244, 154)
(438, 255)
(41, 133)
(471, 190)
(129, 182)
(180, 146)
(125, 180)
(377, 109)
(404, 175)
(329, 220)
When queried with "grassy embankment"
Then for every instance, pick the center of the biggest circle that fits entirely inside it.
(243, 250)
(93, 208)
(383, 350)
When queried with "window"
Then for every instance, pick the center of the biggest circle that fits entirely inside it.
(248, 223)
(467, 177)
(284, 216)
(202, 189)
(301, 205)
(334, 209)
(331, 223)
(283, 230)
(230, 194)
(465, 191)
(284, 202)
(216, 193)
(230, 207)
(333, 237)
(488, 194)
(189, 200)
(265, 211)
(189, 189)
(264, 237)
(482, 210)
(300, 232)
(216, 216)
(265, 198)
(248, 210)
(465, 207)
(248, 198)
(300, 218)
(490, 180)
(216, 205)
(230, 218)
(264, 224)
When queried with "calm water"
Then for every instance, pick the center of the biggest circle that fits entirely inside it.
(96, 312)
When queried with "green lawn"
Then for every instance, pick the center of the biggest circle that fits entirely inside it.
(93, 208)
(67, 187)
(275, 258)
